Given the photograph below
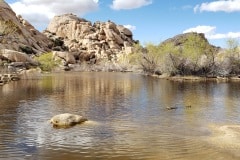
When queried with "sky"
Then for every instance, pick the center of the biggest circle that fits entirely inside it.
(151, 21)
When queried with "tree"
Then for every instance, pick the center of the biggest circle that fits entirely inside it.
(233, 55)
(233, 47)
(150, 58)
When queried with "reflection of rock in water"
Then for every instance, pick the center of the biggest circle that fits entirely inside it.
(226, 137)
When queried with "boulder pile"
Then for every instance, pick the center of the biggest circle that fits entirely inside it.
(103, 39)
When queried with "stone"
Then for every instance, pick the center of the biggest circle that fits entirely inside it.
(66, 120)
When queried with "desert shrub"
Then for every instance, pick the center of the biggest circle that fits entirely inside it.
(233, 54)
(46, 62)
(228, 60)
(150, 58)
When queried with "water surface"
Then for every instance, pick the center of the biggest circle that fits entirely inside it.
(127, 113)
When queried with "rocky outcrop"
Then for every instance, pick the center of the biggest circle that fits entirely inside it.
(66, 120)
(18, 34)
(74, 57)
(104, 39)
(15, 56)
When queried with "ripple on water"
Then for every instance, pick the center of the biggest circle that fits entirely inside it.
(128, 119)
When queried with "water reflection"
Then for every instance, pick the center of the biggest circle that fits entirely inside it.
(128, 117)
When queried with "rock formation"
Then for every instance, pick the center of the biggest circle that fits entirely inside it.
(104, 39)
(18, 34)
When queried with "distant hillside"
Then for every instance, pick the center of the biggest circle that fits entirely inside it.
(193, 39)
(17, 34)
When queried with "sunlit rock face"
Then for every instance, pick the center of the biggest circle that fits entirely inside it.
(104, 39)
(18, 34)
(66, 120)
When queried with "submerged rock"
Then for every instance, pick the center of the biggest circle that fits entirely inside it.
(67, 120)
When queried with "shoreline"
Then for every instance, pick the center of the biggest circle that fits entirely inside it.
(177, 78)
(197, 78)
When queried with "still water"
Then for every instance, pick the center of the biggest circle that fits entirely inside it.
(127, 113)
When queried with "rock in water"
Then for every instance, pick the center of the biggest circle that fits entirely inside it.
(67, 120)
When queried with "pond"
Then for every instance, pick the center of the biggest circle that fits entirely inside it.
(127, 116)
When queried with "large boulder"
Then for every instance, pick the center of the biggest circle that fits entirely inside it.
(66, 120)
(15, 56)
(68, 57)
(124, 30)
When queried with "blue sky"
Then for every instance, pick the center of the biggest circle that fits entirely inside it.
(150, 20)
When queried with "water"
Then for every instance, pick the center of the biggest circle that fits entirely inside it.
(127, 113)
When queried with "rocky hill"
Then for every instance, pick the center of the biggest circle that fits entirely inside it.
(104, 39)
(19, 35)
(199, 39)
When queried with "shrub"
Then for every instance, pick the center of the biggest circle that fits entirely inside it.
(46, 62)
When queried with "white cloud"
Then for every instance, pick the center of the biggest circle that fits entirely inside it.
(221, 5)
(225, 36)
(202, 29)
(130, 27)
(210, 32)
(44, 10)
(129, 4)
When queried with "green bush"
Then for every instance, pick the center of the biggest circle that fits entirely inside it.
(46, 62)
